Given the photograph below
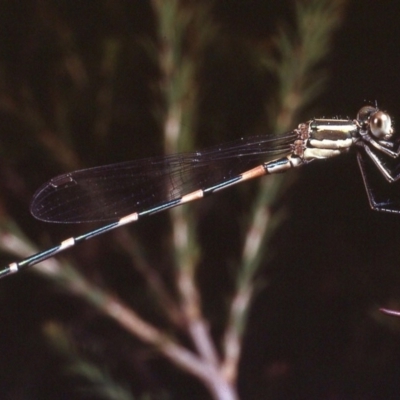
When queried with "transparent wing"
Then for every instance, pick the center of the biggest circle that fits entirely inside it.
(110, 192)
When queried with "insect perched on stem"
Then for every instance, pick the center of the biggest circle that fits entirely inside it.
(125, 192)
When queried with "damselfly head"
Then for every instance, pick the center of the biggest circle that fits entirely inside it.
(378, 122)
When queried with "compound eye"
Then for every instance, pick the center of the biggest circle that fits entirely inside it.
(380, 125)
(364, 114)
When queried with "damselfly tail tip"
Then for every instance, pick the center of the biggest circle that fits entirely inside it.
(9, 269)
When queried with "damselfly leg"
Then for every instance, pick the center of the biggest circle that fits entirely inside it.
(379, 158)
(382, 196)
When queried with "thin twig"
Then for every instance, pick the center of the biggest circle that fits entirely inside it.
(153, 279)
(179, 79)
(294, 69)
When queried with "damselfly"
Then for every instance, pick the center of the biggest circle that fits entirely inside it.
(125, 192)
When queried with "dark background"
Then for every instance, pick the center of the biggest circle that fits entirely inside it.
(314, 330)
